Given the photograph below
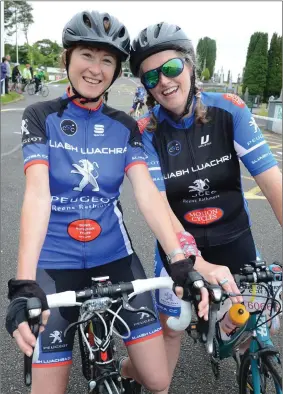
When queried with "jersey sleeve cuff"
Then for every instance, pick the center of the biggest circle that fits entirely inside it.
(31, 163)
(134, 163)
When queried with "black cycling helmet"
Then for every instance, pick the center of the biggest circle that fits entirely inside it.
(157, 38)
(98, 29)
(161, 37)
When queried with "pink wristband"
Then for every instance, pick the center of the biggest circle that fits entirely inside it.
(188, 244)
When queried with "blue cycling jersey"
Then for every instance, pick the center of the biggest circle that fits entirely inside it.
(88, 152)
(198, 165)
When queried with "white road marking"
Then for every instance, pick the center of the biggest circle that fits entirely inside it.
(11, 151)
(12, 109)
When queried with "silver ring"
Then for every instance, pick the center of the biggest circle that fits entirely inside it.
(223, 281)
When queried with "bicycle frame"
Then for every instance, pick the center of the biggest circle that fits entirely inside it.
(260, 340)
(103, 366)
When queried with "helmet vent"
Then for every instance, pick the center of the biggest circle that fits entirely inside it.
(157, 30)
(143, 37)
(86, 20)
(106, 24)
(70, 31)
(122, 32)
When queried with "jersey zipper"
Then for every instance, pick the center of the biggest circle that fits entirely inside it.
(84, 214)
(205, 241)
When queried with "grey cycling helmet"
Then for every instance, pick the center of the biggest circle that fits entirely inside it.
(98, 29)
(156, 38)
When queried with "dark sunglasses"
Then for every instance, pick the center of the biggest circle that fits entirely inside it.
(172, 68)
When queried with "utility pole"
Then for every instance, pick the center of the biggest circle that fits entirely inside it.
(17, 49)
(2, 30)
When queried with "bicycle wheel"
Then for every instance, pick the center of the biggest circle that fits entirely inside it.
(44, 91)
(18, 88)
(31, 89)
(270, 377)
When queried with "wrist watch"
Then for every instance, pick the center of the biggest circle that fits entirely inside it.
(174, 253)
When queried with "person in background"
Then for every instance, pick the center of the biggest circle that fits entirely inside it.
(15, 76)
(26, 76)
(3, 75)
(139, 98)
(38, 78)
(8, 76)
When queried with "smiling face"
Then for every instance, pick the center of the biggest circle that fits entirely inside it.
(91, 70)
(171, 93)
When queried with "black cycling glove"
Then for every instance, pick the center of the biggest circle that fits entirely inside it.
(19, 292)
(179, 270)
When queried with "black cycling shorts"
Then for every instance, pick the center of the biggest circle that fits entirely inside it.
(53, 349)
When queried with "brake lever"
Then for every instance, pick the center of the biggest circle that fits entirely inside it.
(129, 307)
(215, 295)
(34, 320)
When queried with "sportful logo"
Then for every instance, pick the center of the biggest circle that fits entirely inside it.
(98, 130)
(56, 335)
(85, 169)
(24, 127)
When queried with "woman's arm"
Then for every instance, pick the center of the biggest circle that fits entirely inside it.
(153, 208)
(270, 183)
(34, 220)
(175, 221)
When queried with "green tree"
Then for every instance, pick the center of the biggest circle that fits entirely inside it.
(274, 71)
(50, 52)
(256, 64)
(205, 74)
(206, 55)
(18, 16)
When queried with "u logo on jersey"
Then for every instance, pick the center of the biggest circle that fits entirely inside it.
(204, 141)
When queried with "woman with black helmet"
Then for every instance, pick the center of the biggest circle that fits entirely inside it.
(193, 141)
(76, 152)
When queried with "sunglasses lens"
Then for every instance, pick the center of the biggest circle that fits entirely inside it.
(150, 79)
(173, 68)
(170, 69)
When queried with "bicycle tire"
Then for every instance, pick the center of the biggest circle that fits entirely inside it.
(274, 367)
(44, 91)
(267, 368)
(31, 89)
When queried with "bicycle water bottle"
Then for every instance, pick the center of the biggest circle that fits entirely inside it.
(234, 318)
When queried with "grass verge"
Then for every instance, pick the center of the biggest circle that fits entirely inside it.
(9, 98)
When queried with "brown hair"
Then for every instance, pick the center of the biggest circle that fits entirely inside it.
(200, 110)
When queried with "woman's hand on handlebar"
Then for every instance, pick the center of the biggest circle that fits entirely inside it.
(218, 275)
(25, 338)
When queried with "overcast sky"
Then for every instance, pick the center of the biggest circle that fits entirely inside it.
(229, 23)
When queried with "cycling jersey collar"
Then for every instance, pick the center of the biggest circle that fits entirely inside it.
(80, 110)
(162, 114)
(81, 105)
